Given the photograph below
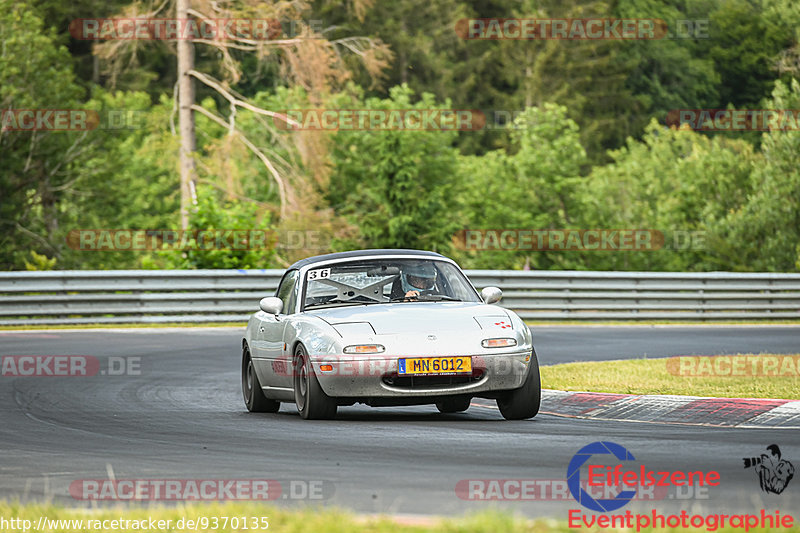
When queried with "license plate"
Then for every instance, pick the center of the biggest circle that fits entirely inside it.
(434, 366)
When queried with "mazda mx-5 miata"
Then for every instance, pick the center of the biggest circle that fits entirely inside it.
(386, 328)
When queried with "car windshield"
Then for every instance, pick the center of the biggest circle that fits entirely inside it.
(380, 281)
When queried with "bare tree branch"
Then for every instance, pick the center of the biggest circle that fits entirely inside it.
(282, 192)
(219, 44)
(69, 155)
(37, 237)
(214, 84)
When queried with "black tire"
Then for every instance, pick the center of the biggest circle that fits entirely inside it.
(312, 402)
(453, 405)
(524, 402)
(254, 397)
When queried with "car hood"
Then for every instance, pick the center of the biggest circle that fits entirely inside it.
(417, 317)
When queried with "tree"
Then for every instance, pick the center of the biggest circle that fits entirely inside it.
(763, 234)
(674, 182)
(584, 75)
(786, 14)
(311, 61)
(35, 73)
(744, 45)
(211, 214)
(396, 185)
(667, 73)
(535, 188)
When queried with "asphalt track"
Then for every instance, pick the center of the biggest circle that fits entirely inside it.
(182, 417)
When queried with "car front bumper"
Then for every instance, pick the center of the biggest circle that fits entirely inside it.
(376, 376)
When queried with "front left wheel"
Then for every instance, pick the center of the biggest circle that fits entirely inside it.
(312, 402)
(254, 397)
(524, 402)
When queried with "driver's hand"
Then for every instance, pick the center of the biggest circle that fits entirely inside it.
(412, 294)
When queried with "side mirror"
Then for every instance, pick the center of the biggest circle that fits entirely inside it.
(271, 305)
(491, 295)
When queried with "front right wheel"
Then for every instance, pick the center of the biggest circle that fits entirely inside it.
(524, 402)
(254, 397)
(311, 400)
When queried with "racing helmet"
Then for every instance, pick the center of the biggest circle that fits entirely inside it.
(419, 276)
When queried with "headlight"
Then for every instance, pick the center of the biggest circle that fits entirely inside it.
(364, 348)
(498, 343)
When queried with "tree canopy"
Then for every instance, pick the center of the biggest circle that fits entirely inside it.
(571, 134)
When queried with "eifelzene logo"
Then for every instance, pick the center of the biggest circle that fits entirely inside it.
(619, 476)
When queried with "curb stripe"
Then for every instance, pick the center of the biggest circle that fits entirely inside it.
(644, 408)
(670, 409)
(722, 411)
(783, 416)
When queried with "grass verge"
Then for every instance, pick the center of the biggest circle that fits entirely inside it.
(736, 376)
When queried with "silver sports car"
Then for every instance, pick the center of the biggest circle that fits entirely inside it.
(386, 327)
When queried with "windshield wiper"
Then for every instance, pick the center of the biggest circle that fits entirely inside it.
(437, 298)
(337, 303)
(426, 298)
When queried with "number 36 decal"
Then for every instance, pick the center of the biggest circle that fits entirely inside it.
(321, 273)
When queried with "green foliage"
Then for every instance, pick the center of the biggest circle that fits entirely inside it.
(57, 16)
(35, 73)
(216, 215)
(34, 68)
(40, 262)
(127, 181)
(587, 77)
(588, 149)
(669, 73)
(764, 233)
(397, 185)
(535, 188)
(675, 182)
(743, 45)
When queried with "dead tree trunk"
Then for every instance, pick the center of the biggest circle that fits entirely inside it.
(185, 115)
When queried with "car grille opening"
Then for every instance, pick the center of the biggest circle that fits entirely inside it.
(430, 382)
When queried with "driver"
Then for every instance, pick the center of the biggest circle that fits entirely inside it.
(417, 279)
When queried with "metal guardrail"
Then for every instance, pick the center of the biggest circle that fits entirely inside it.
(157, 296)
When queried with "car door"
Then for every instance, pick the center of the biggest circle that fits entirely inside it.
(283, 366)
(276, 366)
